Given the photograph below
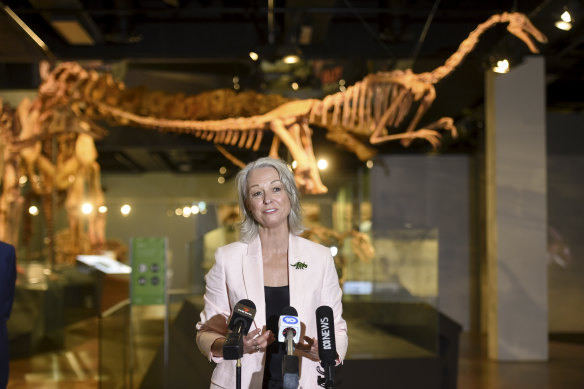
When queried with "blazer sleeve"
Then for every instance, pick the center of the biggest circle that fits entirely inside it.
(213, 324)
(332, 296)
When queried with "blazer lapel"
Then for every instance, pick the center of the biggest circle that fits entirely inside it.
(298, 278)
(253, 278)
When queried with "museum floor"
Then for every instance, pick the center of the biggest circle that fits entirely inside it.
(76, 367)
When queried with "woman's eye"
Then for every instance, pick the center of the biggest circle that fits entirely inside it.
(256, 194)
(277, 189)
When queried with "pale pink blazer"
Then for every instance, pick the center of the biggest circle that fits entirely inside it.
(238, 274)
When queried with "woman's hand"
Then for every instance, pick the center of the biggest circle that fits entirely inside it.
(253, 342)
(308, 347)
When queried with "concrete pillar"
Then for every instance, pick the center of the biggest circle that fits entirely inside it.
(515, 286)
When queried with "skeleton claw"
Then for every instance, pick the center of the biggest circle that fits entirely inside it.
(432, 136)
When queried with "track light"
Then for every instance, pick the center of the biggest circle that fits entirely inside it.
(565, 22)
(501, 66)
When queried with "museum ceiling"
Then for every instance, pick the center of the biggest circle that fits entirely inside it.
(190, 46)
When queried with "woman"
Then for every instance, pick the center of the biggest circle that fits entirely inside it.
(274, 268)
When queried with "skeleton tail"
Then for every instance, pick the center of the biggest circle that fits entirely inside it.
(248, 131)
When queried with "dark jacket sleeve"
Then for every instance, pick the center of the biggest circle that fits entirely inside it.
(8, 280)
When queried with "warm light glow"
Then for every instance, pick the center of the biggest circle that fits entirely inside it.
(334, 251)
(369, 164)
(235, 80)
(566, 26)
(221, 180)
(322, 164)
(290, 59)
(294, 164)
(341, 82)
(33, 210)
(194, 209)
(222, 170)
(294, 86)
(186, 211)
(502, 66)
(253, 55)
(202, 206)
(178, 212)
(566, 17)
(342, 88)
(102, 209)
(86, 208)
(23, 180)
(125, 209)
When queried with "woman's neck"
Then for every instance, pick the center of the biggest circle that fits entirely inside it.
(274, 240)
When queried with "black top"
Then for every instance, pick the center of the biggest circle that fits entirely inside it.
(277, 298)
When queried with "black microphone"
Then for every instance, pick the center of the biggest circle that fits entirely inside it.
(327, 349)
(289, 332)
(241, 319)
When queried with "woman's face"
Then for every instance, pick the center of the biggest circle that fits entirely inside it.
(267, 198)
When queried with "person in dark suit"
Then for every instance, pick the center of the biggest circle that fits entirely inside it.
(7, 284)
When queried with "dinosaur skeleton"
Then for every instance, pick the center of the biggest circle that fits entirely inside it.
(379, 102)
(71, 99)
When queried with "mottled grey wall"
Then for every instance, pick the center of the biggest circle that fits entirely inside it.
(430, 192)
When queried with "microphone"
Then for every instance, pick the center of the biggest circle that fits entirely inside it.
(241, 319)
(327, 349)
(288, 324)
(289, 332)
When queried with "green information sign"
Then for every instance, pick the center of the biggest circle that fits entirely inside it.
(148, 257)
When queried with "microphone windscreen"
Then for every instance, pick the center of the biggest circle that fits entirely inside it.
(243, 314)
(325, 324)
(290, 311)
(247, 303)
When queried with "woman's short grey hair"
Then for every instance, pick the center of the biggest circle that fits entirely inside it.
(248, 227)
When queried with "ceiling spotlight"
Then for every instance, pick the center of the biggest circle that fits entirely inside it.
(502, 66)
(125, 209)
(566, 17)
(369, 164)
(294, 164)
(253, 55)
(294, 86)
(290, 54)
(33, 210)
(221, 180)
(102, 209)
(322, 164)
(222, 170)
(291, 59)
(565, 22)
(186, 211)
(86, 208)
(565, 26)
